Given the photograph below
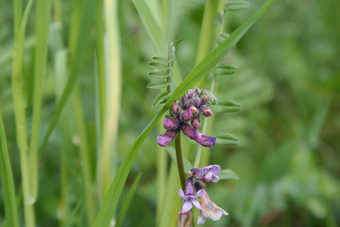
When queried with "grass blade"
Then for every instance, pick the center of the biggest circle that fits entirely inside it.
(109, 205)
(7, 180)
(42, 21)
(78, 58)
(151, 26)
(128, 200)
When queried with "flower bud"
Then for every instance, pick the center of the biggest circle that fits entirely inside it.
(205, 111)
(195, 122)
(187, 115)
(175, 109)
(171, 123)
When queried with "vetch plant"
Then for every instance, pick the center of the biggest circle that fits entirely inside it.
(191, 106)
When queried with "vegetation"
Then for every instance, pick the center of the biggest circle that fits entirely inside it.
(79, 122)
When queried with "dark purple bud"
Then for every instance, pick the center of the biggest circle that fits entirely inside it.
(175, 109)
(196, 101)
(166, 138)
(205, 99)
(197, 91)
(195, 122)
(171, 123)
(187, 115)
(206, 141)
(205, 111)
(189, 131)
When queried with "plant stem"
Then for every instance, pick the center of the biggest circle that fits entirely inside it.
(179, 158)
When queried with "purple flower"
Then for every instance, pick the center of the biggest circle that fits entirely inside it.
(208, 208)
(207, 174)
(173, 125)
(189, 196)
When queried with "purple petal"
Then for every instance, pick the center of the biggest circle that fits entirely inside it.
(215, 169)
(166, 138)
(170, 123)
(199, 193)
(215, 178)
(181, 193)
(189, 131)
(189, 188)
(206, 141)
(187, 205)
(197, 204)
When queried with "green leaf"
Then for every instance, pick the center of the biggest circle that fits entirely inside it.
(226, 107)
(158, 73)
(127, 200)
(223, 70)
(160, 98)
(110, 201)
(187, 164)
(227, 139)
(157, 65)
(227, 174)
(160, 60)
(157, 85)
(236, 5)
(82, 44)
(7, 180)
(221, 38)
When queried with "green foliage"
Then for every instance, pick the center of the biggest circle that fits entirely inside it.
(284, 119)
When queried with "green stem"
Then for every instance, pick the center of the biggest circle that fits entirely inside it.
(207, 30)
(179, 158)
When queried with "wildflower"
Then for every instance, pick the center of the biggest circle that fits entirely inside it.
(208, 208)
(189, 109)
(207, 174)
(189, 196)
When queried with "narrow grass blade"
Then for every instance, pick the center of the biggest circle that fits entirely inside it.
(78, 57)
(128, 200)
(110, 201)
(7, 180)
(151, 26)
(42, 21)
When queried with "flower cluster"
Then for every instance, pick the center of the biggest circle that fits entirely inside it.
(208, 209)
(189, 109)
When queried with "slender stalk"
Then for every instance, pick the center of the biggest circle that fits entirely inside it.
(7, 180)
(179, 158)
(20, 115)
(218, 30)
(207, 30)
(84, 154)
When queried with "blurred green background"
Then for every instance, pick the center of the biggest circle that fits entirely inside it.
(288, 84)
